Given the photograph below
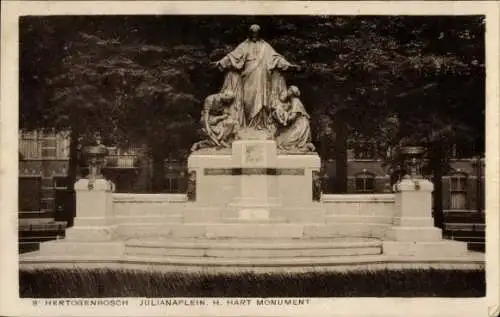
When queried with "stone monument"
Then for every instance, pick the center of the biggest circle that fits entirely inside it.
(254, 198)
(257, 131)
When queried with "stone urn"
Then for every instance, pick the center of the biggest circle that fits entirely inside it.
(95, 157)
(412, 157)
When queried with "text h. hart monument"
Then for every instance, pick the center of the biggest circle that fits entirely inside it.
(254, 200)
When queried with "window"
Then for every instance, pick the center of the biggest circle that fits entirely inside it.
(364, 151)
(365, 183)
(458, 191)
(30, 146)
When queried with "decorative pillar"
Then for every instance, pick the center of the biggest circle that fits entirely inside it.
(93, 232)
(413, 217)
(94, 205)
(94, 201)
(413, 232)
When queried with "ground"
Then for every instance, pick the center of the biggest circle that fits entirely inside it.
(55, 283)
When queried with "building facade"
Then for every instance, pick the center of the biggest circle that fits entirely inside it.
(44, 158)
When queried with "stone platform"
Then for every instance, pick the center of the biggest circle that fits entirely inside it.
(213, 264)
(253, 209)
(253, 248)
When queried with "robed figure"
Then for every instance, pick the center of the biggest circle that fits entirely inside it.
(218, 123)
(294, 133)
(253, 74)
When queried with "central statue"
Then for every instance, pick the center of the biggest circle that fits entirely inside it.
(253, 73)
(256, 101)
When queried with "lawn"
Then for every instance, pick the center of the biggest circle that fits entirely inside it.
(54, 283)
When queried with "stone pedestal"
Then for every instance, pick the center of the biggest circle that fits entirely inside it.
(413, 231)
(93, 230)
(254, 183)
(94, 211)
(255, 188)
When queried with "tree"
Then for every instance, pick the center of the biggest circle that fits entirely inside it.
(131, 93)
(142, 78)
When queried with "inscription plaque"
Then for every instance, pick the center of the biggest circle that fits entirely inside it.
(254, 153)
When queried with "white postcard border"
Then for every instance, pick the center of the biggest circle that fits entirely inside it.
(10, 304)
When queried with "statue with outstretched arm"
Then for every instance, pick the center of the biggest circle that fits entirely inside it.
(253, 72)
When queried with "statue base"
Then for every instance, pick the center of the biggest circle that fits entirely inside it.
(254, 134)
(253, 181)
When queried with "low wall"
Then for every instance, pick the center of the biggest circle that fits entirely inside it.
(368, 215)
(360, 204)
(147, 205)
(365, 215)
(148, 198)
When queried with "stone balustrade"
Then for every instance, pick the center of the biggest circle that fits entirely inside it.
(359, 204)
(130, 198)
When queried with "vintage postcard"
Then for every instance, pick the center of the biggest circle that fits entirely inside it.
(253, 158)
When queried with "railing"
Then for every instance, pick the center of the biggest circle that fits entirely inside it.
(31, 145)
(30, 148)
(121, 161)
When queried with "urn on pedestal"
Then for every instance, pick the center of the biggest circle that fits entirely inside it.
(412, 158)
(94, 156)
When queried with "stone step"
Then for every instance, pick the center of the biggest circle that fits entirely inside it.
(35, 221)
(253, 248)
(211, 265)
(38, 214)
(464, 227)
(153, 210)
(358, 219)
(254, 221)
(360, 212)
(148, 219)
(250, 230)
(101, 248)
(42, 226)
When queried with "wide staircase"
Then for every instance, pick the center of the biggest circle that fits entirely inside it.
(280, 249)
(153, 228)
(159, 232)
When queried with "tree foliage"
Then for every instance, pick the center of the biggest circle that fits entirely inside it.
(143, 79)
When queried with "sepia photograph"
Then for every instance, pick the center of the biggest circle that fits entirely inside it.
(243, 159)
